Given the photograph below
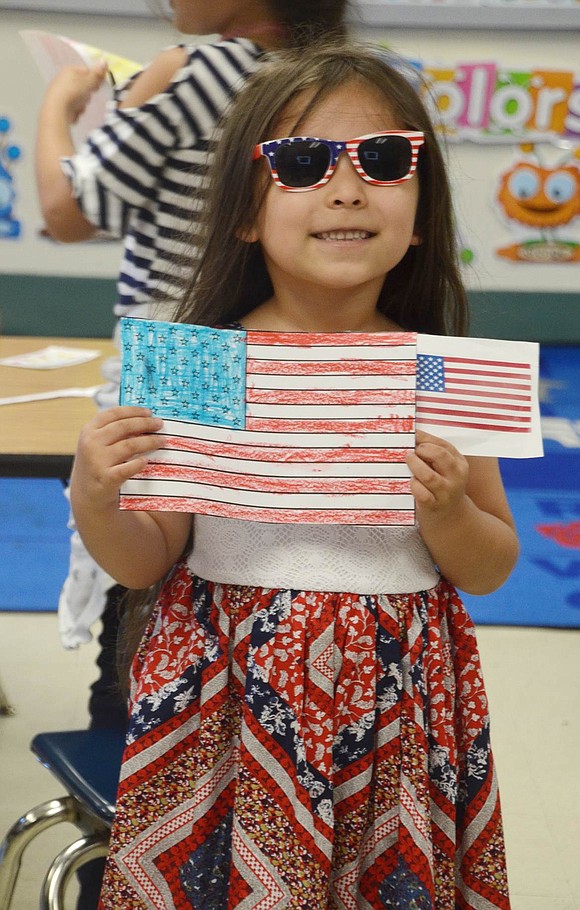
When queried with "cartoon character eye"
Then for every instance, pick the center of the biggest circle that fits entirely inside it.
(560, 187)
(523, 183)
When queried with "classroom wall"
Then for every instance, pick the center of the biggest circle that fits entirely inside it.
(49, 288)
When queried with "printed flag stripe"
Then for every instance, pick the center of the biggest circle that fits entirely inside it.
(458, 372)
(489, 427)
(466, 403)
(460, 392)
(507, 417)
(455, 383)
(492, 396)
(478, 363)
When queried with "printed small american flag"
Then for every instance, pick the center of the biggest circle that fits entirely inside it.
(480, 394)
(274, 427)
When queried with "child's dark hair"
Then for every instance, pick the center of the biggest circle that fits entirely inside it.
(308, 19)
(424, 292)
(303, 20)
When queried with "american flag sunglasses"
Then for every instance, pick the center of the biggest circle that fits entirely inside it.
(301, 163)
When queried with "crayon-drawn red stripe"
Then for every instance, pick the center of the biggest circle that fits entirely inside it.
(276, 453)
(330, 339)
(328, 367)
(344, 427)
(250, 513)
(330, 396)
(337, 486)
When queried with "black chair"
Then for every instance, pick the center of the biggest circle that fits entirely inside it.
(87, 764)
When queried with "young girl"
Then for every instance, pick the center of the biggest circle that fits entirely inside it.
(309, 725)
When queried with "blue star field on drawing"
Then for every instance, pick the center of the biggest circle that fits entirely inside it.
(181, 372)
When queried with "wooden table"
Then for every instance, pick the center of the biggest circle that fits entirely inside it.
(38, 439)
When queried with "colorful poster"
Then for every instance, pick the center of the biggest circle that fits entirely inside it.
(483, 101)
(314, 427)
(539, 199)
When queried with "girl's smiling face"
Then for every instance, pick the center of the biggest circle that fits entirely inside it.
(345, 236)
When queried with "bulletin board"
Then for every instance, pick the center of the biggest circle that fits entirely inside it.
(509, 109)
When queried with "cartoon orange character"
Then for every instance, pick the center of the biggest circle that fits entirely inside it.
(543, 198)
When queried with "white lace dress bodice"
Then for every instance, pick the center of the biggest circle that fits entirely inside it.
(312, 557)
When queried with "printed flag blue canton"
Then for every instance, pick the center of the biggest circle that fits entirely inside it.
(430, 373)
(184, 372)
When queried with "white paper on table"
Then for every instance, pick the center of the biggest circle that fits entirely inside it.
(73, 392)
(51, 358)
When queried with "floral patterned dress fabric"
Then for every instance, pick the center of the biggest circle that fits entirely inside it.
(308, 751)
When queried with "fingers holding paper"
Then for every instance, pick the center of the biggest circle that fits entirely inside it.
(114, 447)
(463, 514)
(72, 87)
(440, 473)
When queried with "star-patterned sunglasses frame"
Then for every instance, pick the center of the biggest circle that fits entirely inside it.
(302, 163)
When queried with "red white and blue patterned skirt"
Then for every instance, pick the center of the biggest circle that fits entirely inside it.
(307, 751)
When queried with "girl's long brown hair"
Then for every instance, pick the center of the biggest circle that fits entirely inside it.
(423, 293)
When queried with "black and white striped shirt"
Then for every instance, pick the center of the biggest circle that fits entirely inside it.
(139, 176)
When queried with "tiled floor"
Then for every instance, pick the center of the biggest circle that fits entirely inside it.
(533, 682)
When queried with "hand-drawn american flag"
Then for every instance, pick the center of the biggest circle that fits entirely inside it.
(474, 393)
(274, 427)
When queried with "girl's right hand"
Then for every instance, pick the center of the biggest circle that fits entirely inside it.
(113, 447)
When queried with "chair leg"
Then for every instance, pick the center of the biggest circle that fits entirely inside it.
(66, 864)
(22, 832)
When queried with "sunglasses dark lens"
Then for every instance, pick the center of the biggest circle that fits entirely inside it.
(385, 158)
(301, 164)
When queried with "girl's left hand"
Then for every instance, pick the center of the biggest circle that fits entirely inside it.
(440, 475)
(71, 89)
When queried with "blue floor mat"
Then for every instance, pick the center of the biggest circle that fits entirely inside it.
(34, 543)
(544, 589)
(544, 494)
